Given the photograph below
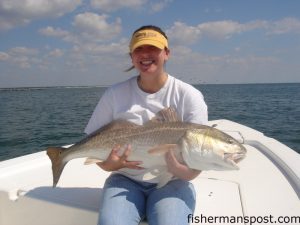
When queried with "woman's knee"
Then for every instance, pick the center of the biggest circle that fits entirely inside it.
(121, 202)
(171, 204)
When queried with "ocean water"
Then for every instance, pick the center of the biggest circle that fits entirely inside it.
(32, 119)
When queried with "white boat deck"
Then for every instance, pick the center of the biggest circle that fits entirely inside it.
(267, 184)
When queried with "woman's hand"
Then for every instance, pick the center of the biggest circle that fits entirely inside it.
(115, 162)
(179, 170)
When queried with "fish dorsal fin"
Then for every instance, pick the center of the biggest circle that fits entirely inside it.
(166, 115)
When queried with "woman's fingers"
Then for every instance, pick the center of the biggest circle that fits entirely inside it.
(133, 165)
(126, 153)
(130, 164)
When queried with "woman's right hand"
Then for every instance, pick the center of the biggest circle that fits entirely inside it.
(115, 162)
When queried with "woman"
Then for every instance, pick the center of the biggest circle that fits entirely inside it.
(126, 199)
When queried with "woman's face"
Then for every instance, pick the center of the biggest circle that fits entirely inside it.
(148, 59)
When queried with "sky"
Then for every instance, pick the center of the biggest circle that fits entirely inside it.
(85, 42)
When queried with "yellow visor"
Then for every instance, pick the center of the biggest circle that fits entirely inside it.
(148, 37)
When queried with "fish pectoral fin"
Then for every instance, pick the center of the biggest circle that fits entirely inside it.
(162, 149)
(89, 161)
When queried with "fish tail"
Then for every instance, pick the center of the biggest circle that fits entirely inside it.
(54, 154)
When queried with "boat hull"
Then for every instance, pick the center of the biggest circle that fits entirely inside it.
(267, 184)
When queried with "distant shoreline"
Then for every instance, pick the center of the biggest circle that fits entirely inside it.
(52, 87)
(104, 86)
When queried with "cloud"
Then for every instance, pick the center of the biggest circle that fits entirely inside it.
(21, 57)
(54, 32)
(109, 6)
(160, 5)
(92, 36)
(118, 48)
(286, 25)
(220, 29)
(27, 58)
(23, 51)
(56, 53)
(184, 34)
(4, 56)
(15, 13)
(87, 27)
(96, 47)
(180, 33)
(95, 27)
(64, 35)
(196, 67)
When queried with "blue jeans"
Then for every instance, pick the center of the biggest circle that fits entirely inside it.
(127, 202)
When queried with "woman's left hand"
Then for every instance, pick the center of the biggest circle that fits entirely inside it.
(179, 170)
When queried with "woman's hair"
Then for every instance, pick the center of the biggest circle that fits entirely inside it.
(151, 27)
(148, 27)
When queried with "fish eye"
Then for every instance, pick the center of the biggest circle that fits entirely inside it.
(230, 141)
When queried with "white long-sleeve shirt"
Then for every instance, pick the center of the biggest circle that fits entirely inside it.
(127, 101)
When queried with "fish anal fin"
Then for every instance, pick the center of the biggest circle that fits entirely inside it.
(164, 178)
(166, 115)
(89, 161)
(162, 149)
